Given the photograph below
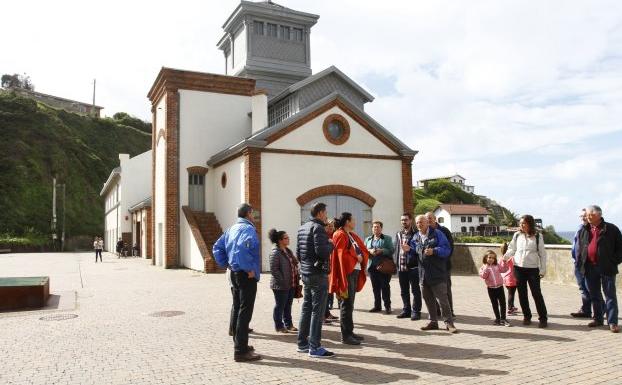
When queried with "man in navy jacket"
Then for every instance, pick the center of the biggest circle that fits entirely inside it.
(431, 248)
(238, 250)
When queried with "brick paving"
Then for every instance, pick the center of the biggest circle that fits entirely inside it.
(114, 340)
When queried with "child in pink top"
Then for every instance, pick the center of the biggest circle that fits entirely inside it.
(509, 281)
(491, 274)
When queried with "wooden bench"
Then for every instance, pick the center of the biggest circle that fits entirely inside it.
(24, 292)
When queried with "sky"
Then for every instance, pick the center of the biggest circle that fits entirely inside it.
(522, 98)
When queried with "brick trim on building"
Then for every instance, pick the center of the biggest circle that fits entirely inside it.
(149, 241)
(336, 189)
(153, 184)
(171, 207)
(197, 170)
(345, 135)
(330, 154)
(252, 188)
(407, 184)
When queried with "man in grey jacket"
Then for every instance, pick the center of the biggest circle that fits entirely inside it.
(313, 250)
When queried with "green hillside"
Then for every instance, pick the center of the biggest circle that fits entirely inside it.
(38, 142)
(437, 192)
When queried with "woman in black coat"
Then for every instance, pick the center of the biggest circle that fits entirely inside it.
(283, 280)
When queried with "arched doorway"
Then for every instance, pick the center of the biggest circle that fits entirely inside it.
(336, 204)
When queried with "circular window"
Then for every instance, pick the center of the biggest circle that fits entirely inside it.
(223, 180)
(336, 129)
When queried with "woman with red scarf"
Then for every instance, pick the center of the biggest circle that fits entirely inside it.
(347, 273)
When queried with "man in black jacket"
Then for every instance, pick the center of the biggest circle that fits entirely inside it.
(435, 225)
(600, 253)
(313, 250)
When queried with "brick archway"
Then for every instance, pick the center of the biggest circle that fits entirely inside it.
(336, 189)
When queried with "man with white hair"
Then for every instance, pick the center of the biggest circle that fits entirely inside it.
(431, 248)
(599, 254)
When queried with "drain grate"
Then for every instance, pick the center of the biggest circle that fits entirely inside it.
(58, 317)
(167, 313)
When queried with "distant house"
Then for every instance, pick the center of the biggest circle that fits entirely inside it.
(127, 197)
(62, 103)
(462, 218)
(454, 179)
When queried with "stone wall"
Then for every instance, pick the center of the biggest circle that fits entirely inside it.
(467, 259)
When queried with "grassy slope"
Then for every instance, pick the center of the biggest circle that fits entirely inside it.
(38, 142)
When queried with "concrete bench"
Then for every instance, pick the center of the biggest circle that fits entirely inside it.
(23, 292)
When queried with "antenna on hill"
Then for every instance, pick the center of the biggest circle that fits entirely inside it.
(93, 108)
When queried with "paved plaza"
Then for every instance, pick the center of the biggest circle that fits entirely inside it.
(115, 339)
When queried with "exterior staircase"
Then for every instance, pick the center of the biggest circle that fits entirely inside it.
(206, 231)
(211, 231)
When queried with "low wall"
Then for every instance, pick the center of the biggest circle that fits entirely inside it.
(467, 259)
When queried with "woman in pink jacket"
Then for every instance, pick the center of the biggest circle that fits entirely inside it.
(491, 274)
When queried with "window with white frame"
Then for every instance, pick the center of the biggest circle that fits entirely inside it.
(279, 112)
(481, 219)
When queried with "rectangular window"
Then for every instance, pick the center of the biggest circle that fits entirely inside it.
(258, 27)
(462, 219)
(297, 34)
(271, 30)
(463, 229)
(481, 219)
(279, 112)
(441, 220)
(284, 32)
(470, 219)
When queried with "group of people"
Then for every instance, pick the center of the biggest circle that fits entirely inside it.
(331, 258)
(121, 248)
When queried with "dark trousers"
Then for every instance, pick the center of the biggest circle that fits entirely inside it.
(530, 276)
(497, 299)
(586, 302)
(511, 292)
(347, 306)
(282, 314)
(409, 280)
(98, 252)
(435, 295)
(381, 286)
(244, 291)
(595, 279)
(449, 295)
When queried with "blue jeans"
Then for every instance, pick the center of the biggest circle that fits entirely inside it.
(586, 302)
(595, 279)
(409, 280)
(312, 314)
(282, 313)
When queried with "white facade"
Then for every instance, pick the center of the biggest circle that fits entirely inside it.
(460, 223)
(127, 185)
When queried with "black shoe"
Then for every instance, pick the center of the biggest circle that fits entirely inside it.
(358, 337)
(375, 309)
(350, 341)
(595, 324)
(387, 310)
(580, 314)
(416, 316)
(496, 322)
(430, 326)
(403, 315)
(526, 321)
(246, 357)
(543, 323)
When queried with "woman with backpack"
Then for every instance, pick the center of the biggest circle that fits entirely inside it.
(527, 248)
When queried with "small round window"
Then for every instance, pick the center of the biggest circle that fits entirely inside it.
(336, 129)
(223, 180)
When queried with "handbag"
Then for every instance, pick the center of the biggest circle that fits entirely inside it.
(298, 288)
(387, 266)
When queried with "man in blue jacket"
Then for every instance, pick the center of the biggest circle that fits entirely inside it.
(238, 250)
(431, 248)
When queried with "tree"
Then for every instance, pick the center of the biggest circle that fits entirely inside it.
(17, 81)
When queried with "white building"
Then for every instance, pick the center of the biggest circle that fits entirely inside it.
(462, 218)
(272, 135)
(457, 180)
(128, 185)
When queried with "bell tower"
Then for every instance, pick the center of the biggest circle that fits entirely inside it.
(269, 43)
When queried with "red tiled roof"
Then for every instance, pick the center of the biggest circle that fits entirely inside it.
(465, 209)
